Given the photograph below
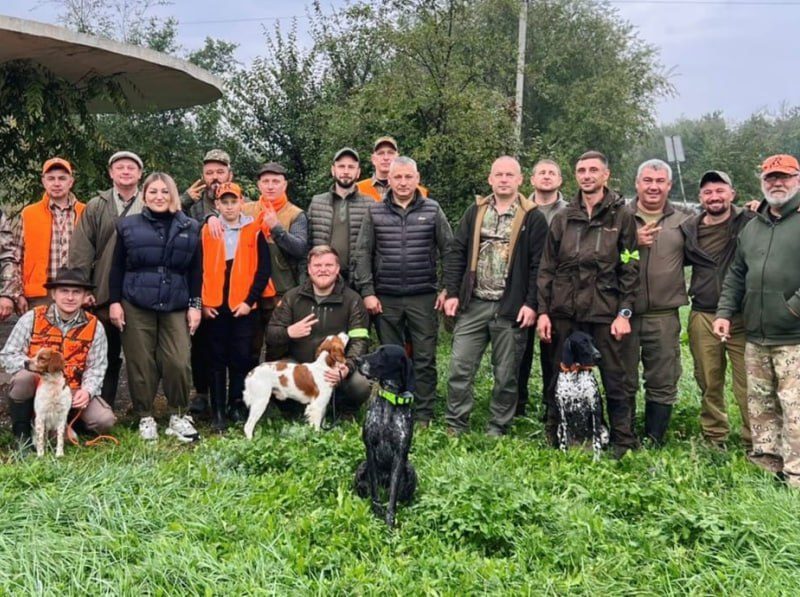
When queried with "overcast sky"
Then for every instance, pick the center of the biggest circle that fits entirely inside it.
(736, 56)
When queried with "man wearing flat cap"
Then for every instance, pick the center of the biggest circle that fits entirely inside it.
(92, 249)
(198, 200)
(335, 217)
(285, 227)
(763, 285)
(43, 232)
(63, 326)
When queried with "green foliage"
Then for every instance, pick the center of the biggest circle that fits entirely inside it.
(43, 116)
(713, 143)
(439, 76)
(277, 515)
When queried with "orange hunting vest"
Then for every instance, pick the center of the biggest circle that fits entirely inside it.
(243, 270)
(367, 187)
(74, 346)
(37, 229)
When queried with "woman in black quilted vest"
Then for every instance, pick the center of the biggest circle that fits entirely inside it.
(155, 286)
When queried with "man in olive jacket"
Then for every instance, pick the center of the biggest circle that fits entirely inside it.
(321, 306)
(763, 283)
(490, 278)
(588, 280)
(655, 326)
(92, 249)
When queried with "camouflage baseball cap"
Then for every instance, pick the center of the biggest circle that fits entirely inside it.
(217, 155)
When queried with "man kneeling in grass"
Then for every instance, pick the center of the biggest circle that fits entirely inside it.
(66, 327)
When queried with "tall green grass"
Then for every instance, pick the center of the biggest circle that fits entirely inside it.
(278, 516)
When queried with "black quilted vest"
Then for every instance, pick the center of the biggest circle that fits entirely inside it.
(405, 247)
(159, 254)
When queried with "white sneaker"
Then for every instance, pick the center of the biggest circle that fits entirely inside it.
(182, 427)
(148, 430)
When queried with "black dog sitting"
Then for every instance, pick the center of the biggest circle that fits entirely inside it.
(580, 408)
(387, 431)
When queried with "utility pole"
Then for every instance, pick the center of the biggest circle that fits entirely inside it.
(522, 39)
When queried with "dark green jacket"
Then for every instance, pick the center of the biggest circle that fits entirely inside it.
(763, 282)
(341, 311)
(590, 266)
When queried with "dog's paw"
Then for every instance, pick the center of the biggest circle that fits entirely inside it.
(378, 510)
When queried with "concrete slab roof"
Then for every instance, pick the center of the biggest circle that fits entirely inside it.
(150, 80)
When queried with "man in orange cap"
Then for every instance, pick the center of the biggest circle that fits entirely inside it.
(763, 284)
(43, 232)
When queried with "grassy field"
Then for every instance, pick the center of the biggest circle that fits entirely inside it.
(277, 516)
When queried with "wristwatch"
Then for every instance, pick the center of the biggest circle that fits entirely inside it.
(625, 313)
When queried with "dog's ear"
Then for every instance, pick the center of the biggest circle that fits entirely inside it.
(56, 363)
(567, 356)
(409, 378)
(344, 338)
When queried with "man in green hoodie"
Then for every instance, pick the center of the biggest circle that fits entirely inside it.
(763, 283)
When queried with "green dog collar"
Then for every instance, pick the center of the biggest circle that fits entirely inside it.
(397, 399)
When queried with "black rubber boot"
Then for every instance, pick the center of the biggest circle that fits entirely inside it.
(199, 405)
(237, 410)
(219, 397)
(656, 421)
(21, 414)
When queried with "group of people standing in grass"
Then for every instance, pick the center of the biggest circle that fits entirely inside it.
(198, 288)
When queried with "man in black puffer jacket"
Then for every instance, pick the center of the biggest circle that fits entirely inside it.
(396, 273)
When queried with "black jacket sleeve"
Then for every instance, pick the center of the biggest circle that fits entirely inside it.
(263, 271)
(117, 272)
(537, 235)
(455, 261)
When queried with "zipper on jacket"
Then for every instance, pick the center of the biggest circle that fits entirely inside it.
(763, 268)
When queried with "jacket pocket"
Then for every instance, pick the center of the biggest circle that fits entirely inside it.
(562, 301)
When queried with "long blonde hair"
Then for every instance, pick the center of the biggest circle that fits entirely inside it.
(174, 196)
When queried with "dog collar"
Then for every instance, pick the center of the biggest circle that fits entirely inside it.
(397, 399)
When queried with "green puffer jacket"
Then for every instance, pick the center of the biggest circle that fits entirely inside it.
(763, 282)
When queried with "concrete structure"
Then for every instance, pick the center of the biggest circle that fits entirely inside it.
(150, 80)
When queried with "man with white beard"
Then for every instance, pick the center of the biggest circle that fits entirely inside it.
(763, 284)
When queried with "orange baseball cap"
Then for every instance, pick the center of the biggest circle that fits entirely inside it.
(57, 163)
(229, 188)
(784, 163)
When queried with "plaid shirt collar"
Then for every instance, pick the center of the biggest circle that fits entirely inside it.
(53, 206)
(53, 316)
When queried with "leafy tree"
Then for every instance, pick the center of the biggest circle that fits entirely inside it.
(439, 76)
(712, 143)
(42, 116)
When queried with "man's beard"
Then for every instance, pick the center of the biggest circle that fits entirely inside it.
(717, 209)
(344, 183)
(778, 201)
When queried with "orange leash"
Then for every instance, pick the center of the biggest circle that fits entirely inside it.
(92, 442)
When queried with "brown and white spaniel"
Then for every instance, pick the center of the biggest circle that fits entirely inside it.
(304, 383)
(52, 400)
